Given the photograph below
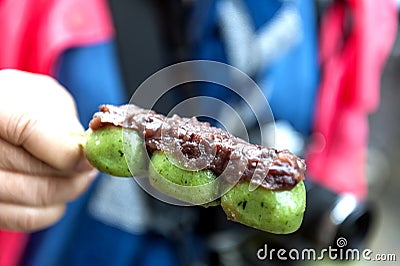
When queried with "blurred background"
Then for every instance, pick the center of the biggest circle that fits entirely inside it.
(384, 144)
(159, 30)
(329, 69)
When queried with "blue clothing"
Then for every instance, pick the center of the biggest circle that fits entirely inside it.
(288, 79)
(287, 74)
(92, 76)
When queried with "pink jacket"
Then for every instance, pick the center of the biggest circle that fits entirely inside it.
(33, 35)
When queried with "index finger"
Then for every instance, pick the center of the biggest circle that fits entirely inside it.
(58, 144)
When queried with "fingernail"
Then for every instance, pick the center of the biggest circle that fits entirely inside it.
(83, 165)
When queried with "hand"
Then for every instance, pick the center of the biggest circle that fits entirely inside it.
(41, 163)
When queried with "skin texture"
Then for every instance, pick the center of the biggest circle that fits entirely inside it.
(42, 166)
